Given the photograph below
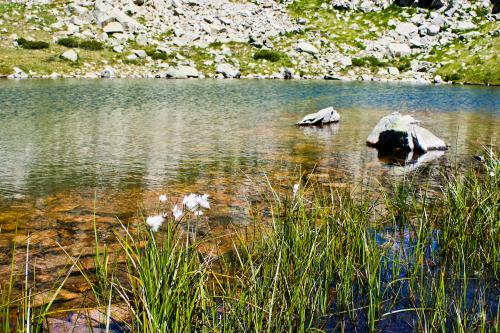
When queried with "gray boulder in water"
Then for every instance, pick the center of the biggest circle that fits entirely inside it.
(402, 133)
(322, 117)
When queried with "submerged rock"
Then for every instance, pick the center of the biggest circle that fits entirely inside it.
(402, 133)
(324, 116)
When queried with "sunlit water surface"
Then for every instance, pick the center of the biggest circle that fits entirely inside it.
(64, 144)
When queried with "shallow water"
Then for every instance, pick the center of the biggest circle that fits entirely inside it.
(64, 144)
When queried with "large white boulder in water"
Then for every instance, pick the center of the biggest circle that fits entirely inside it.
(398, 132)
(324, 116)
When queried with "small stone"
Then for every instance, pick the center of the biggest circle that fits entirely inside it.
(70, 55)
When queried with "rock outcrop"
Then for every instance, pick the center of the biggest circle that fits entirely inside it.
(322, 117)
(396, 132)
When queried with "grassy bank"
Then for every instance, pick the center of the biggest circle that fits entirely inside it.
(411, 258)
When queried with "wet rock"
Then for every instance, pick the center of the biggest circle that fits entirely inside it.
(18, 74)
(408, 162)
(229, 72)
(108, 73)
(396, 132)
(438, 79)
(322, 117)
(182, 72)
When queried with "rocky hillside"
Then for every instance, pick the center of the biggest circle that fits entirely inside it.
(407, 40)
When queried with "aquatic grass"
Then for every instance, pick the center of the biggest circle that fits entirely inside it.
(323, 259)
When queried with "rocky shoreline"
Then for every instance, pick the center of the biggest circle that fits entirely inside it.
(440, 41)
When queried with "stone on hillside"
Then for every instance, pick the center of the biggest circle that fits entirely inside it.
(229, 72)
(399, 50)
(140, 53)
(465, 25)
(307, 48)
(437, 19)
(113, 27)
(393, 71)
(70, 55)
(396, 132)
(345, 61)
(433, 30)
(322, 117)
(406, 29)
(182, 72)
(131, 57)
(438, 79)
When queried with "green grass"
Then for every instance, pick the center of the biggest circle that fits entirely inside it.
(325, 257)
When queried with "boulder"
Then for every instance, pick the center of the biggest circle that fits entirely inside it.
(396, 132)
(307, 48)
(433, 30)
(406, 29)
(70, 55)
(113, 27)
(18, 74)
(108, 73)
(229, 72)
(182, 72)
(399, 50)
(322, 117)
(465, 25)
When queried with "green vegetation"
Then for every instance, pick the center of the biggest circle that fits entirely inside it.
(92, 44)
(32, 45)
(370, 61)
(326, 258)
(155, 54)
(269, 55)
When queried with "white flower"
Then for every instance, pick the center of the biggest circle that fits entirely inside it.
(295, 189)
(190, 201)
(177, 212)
(203, 201)
(195, 201)
(155, 222)
(492, 174)
(163, 198)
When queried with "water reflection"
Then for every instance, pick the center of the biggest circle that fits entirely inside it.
(60, 136)
(67, 144)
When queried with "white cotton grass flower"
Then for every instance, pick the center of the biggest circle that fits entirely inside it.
(163, 198)
(190, 201)
(492, 174)
(195, 201)
(155, 222)
(295, 189)
(177, 212)
(203, 201)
